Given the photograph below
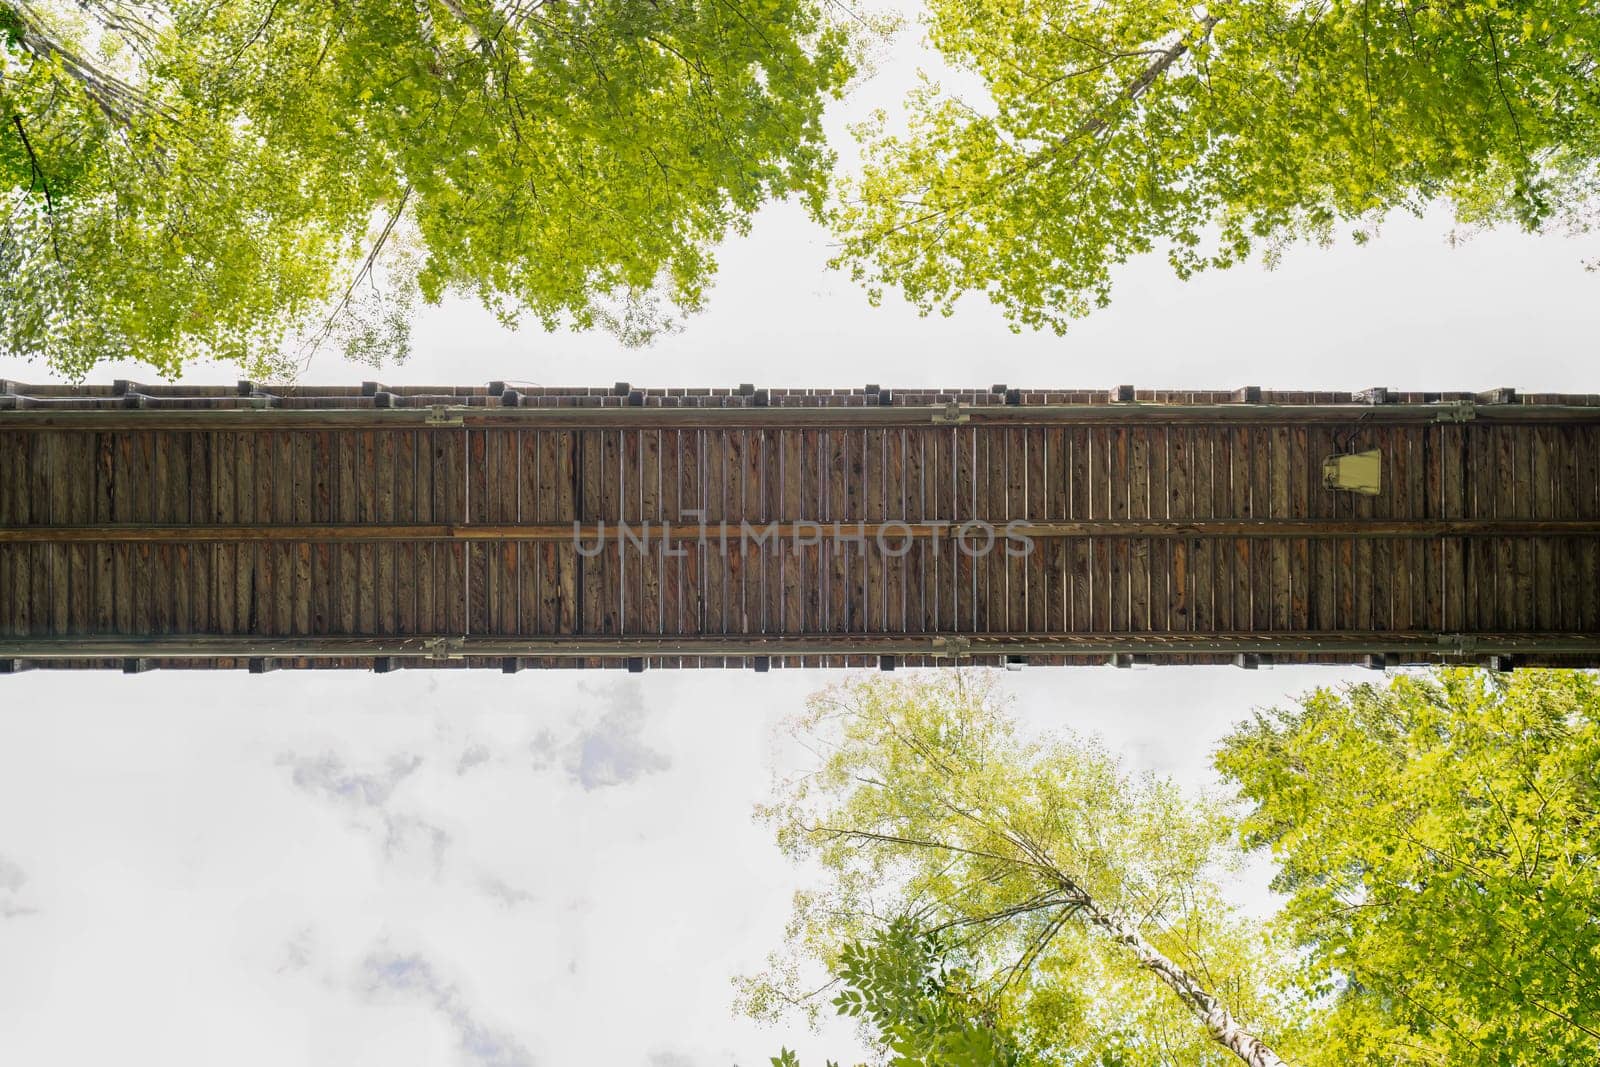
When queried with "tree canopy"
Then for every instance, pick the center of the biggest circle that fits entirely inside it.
(1075, 908)
(1438, 840)
(994, 900)
(1105, 131)
(249, 179)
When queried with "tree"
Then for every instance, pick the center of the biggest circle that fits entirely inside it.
(1438, 839)
(1082, 901)
(1211, 131)
(911, 991)
(236, 179)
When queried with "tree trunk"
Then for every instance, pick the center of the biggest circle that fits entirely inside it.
(1219, 1022)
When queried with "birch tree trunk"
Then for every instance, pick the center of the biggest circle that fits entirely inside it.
(1218, 1021)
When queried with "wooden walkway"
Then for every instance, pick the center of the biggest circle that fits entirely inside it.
(375, 527)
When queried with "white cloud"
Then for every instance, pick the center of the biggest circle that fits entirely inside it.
(611, 750)
(12, 879)
(667, 1058)
(475, 755)
(612, 753)
(505, 894)
(367, 796)
(413, 975)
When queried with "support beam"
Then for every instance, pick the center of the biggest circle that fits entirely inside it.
(1129, 646)
(893, 534)
(111, 415)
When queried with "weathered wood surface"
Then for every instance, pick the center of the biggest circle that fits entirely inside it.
(378, 527)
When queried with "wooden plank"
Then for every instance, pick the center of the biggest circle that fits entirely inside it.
(121, 481)
(1080, 580)
(1016, 568)
(458, 600)
(1119, 492)
(946, 476)
(993, 561)
(236, 587)
(901, 480)
(1482, 598)
(442, 581)
(1180, 505)
(80, 558)
(671, 562)
(692, 498)
(770, 490)
(1222, 506)
(1159, 603)
(385, 606)
(504, 556)
(405, 509)
(1433, 490)
(1453, 482)
(544, 468)
(1100, 591)
(1513, 556)
(612, 490)
(714, 502)
(202, 559)
(423, 500)
(262, 465)
(1037, 583)
(303, 488)
(647, 564)
(1569, 507)
(1543, 598)
(836, 549)
(57, 483)
(1057, 503)
(791, 463)
(1587, 447)
(1396, 487)
(1300, 576)
(1240, 484)
(591, 582)
(37, 480)
(479, 568)
(283, 582)
(1422, 598)
(746, 505)
(13, 498)
(1259, 455)
(874, 495)
(1139, 507)
(1202, 551)
(1279, 465)
(347, 559)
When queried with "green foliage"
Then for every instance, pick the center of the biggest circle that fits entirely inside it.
(229, 180)
(1438, 840)
(1111, 130)
(1041, 870)
(908, 987)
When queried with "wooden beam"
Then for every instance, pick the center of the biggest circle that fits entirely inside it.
(748, 415)
(892, 534)
(139, 650)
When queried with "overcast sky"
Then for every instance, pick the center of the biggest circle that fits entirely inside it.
(554, 867)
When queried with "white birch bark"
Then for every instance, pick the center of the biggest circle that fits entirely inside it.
(1218, 1021)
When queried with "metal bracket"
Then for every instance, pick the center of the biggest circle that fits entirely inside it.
(444, 415)
(952, 647)
(951, 415)
(1459, 644)
(1457, 411)
(443, 648)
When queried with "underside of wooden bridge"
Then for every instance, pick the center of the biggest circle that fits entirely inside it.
(378, 527)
